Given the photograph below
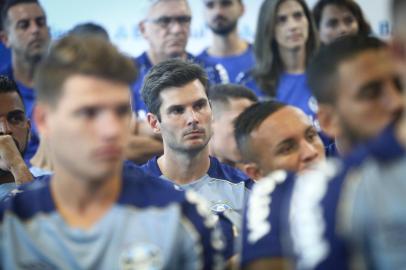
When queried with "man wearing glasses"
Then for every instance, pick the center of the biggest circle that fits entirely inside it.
(166, 28)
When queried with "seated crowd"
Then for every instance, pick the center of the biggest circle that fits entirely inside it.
(288, 153)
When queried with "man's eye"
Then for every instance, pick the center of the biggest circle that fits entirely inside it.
(123, 110)
(23, 24)
(88, 112)
(16, 118)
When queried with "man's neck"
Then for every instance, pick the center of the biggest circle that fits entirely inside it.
(184, 168)
(82, 202)
(294, 60)
(23, 71)
(230, 44)
(157, 58)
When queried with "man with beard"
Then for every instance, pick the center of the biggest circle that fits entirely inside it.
(27, 35)
(14, 133)
(166, 28)
(358, 90)
(175, 92)
(227, 48)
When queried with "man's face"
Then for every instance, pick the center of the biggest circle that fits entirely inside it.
(369, 95)
(26, 32)
(89, 127)
(167, 27)
(291, 26)
(223, 144)
(336, 22)
(286, 140)
(13, 121)
(222, 15)
(185, 118)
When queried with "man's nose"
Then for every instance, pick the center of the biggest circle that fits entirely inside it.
(4, 127)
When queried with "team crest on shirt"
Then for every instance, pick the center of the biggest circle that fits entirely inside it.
(142, 256)
(220, 206)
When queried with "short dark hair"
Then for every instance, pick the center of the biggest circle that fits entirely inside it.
(363, 26)
(220, 96)
(9, 4)
(248, 121)
(8, 85)
(73, 55)
(323, 68)
(169, 73)
(89, 28)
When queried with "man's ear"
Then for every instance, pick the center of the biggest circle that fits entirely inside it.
(252, 170)
(41, 114)
(154, 123)
(4, 38)
(328, 120)
(141, 28)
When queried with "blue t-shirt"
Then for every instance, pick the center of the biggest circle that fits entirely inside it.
(151, 226)
(29, 98)
(5, 56)
(292, 89)
(234, 65)
(263, 225)
(144, 65)
(327, 205)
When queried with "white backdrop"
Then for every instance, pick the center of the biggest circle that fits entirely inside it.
(121, 17)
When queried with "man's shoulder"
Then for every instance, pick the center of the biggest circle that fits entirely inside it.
(7, 70)
(228, 173)
(142, 189)
(151, 167)
(29, 199)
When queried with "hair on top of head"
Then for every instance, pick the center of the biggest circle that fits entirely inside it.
(8, 85)
(89, 28)
(73, 55)
(322, 70)
(249, 120)
(167, 74)
(224, 92)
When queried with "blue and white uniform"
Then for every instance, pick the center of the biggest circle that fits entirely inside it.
(151, 226)
(144, 65)
(352, 215)
(29, 99)
(235, 65)
(226, 188)
(263, 226)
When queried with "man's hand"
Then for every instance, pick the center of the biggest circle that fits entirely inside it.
(12, 161)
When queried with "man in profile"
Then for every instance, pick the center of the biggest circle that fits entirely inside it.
(92, 199)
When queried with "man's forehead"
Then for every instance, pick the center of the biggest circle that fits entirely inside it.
(25, 11)
(368, 65)
(285, 122)
(10, 101)
(165, 7)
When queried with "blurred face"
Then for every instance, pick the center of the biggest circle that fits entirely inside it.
(336, 22)
(13, 121)
(369, 94)
(166, 28)
(27, 33)
(185, 118)
(223, 144)
(286, 140)
(89, 127)
(291, 26)
(222, 15)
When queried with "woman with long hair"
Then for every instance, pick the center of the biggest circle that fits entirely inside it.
(336, 18)
(285, 39)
